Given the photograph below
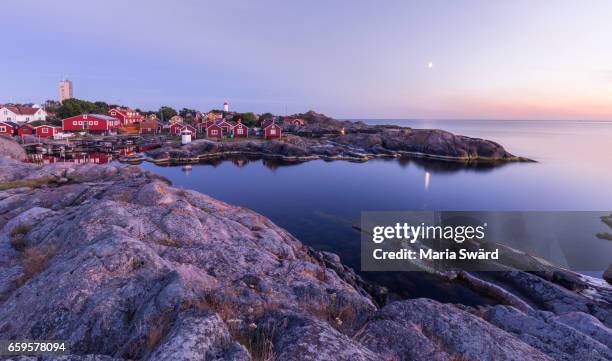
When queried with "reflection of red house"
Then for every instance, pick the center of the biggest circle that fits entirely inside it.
(95, 157)
(92, 123)
(126, 116)
(272, 131)
(8, 128)
(240, 130)
(214, 131)
(26, 130)
(46, 131)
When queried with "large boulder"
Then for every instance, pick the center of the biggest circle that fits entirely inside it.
(424, 329)
(11, 149)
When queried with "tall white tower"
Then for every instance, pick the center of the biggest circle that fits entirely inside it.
(65, 89)
(225, 106)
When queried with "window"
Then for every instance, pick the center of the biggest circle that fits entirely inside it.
(74, 122)
(239, 130)
(2, 129)
(272, 131)
(213, 131)
(80, 122)
(95, 122)
(45, 130)
(27, 119)
(90, 122)
(85, 116)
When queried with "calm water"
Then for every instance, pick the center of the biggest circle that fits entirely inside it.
(319, 201)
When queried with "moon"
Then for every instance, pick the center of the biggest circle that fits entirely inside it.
(430, 64)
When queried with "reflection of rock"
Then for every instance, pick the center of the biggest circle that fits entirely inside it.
(608, 274)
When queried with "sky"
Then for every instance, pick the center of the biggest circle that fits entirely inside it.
(455, 59)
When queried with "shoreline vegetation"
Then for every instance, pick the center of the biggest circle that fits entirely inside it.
(123, 265)
(325, 138)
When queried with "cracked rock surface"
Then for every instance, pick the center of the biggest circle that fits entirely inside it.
(123, 265)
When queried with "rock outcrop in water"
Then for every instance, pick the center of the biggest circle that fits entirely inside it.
(326, 138)
(124, 266)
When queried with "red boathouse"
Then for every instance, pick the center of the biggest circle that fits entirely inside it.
(272, 131)
(8, 128)
(240, 130)
(91, 123)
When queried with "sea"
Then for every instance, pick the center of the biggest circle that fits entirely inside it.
(319, 201)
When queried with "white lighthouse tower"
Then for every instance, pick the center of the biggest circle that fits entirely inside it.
(225, 106)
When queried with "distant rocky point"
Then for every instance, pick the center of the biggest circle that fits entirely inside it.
(322, 137)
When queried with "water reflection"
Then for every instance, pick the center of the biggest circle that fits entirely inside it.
(82, 158)
(429, 165)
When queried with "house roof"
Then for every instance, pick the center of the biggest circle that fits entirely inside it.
(14, 125)
(95, 115)
(23, 110)
(268, 122)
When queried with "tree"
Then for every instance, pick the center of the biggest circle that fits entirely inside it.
(51, 106)
(165, 113)
(72, 107)
(186, 112)
(265, 116)
(102, 107)
(249, 119)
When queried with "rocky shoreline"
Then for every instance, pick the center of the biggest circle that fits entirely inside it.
(123, 265)
(330, 139)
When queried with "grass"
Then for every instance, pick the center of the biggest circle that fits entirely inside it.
(341, 316)
(34, 260)
(254, 339)
(29, 183)
(168, 242)
(18, 241)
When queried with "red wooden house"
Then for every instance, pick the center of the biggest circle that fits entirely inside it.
(126, 116)
(91, 123)
(203, 125)
(150, 126)
(47, 131)
(8, 128)
(214, 131)
(272, 131)
(227, 127)
(191, 128)
(26, 130)
(294, 121)
(240, 130)
(176, 128)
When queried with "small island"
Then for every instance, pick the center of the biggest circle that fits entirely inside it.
(317, 136)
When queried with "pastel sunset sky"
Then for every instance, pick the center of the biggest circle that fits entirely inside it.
(468, 59)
